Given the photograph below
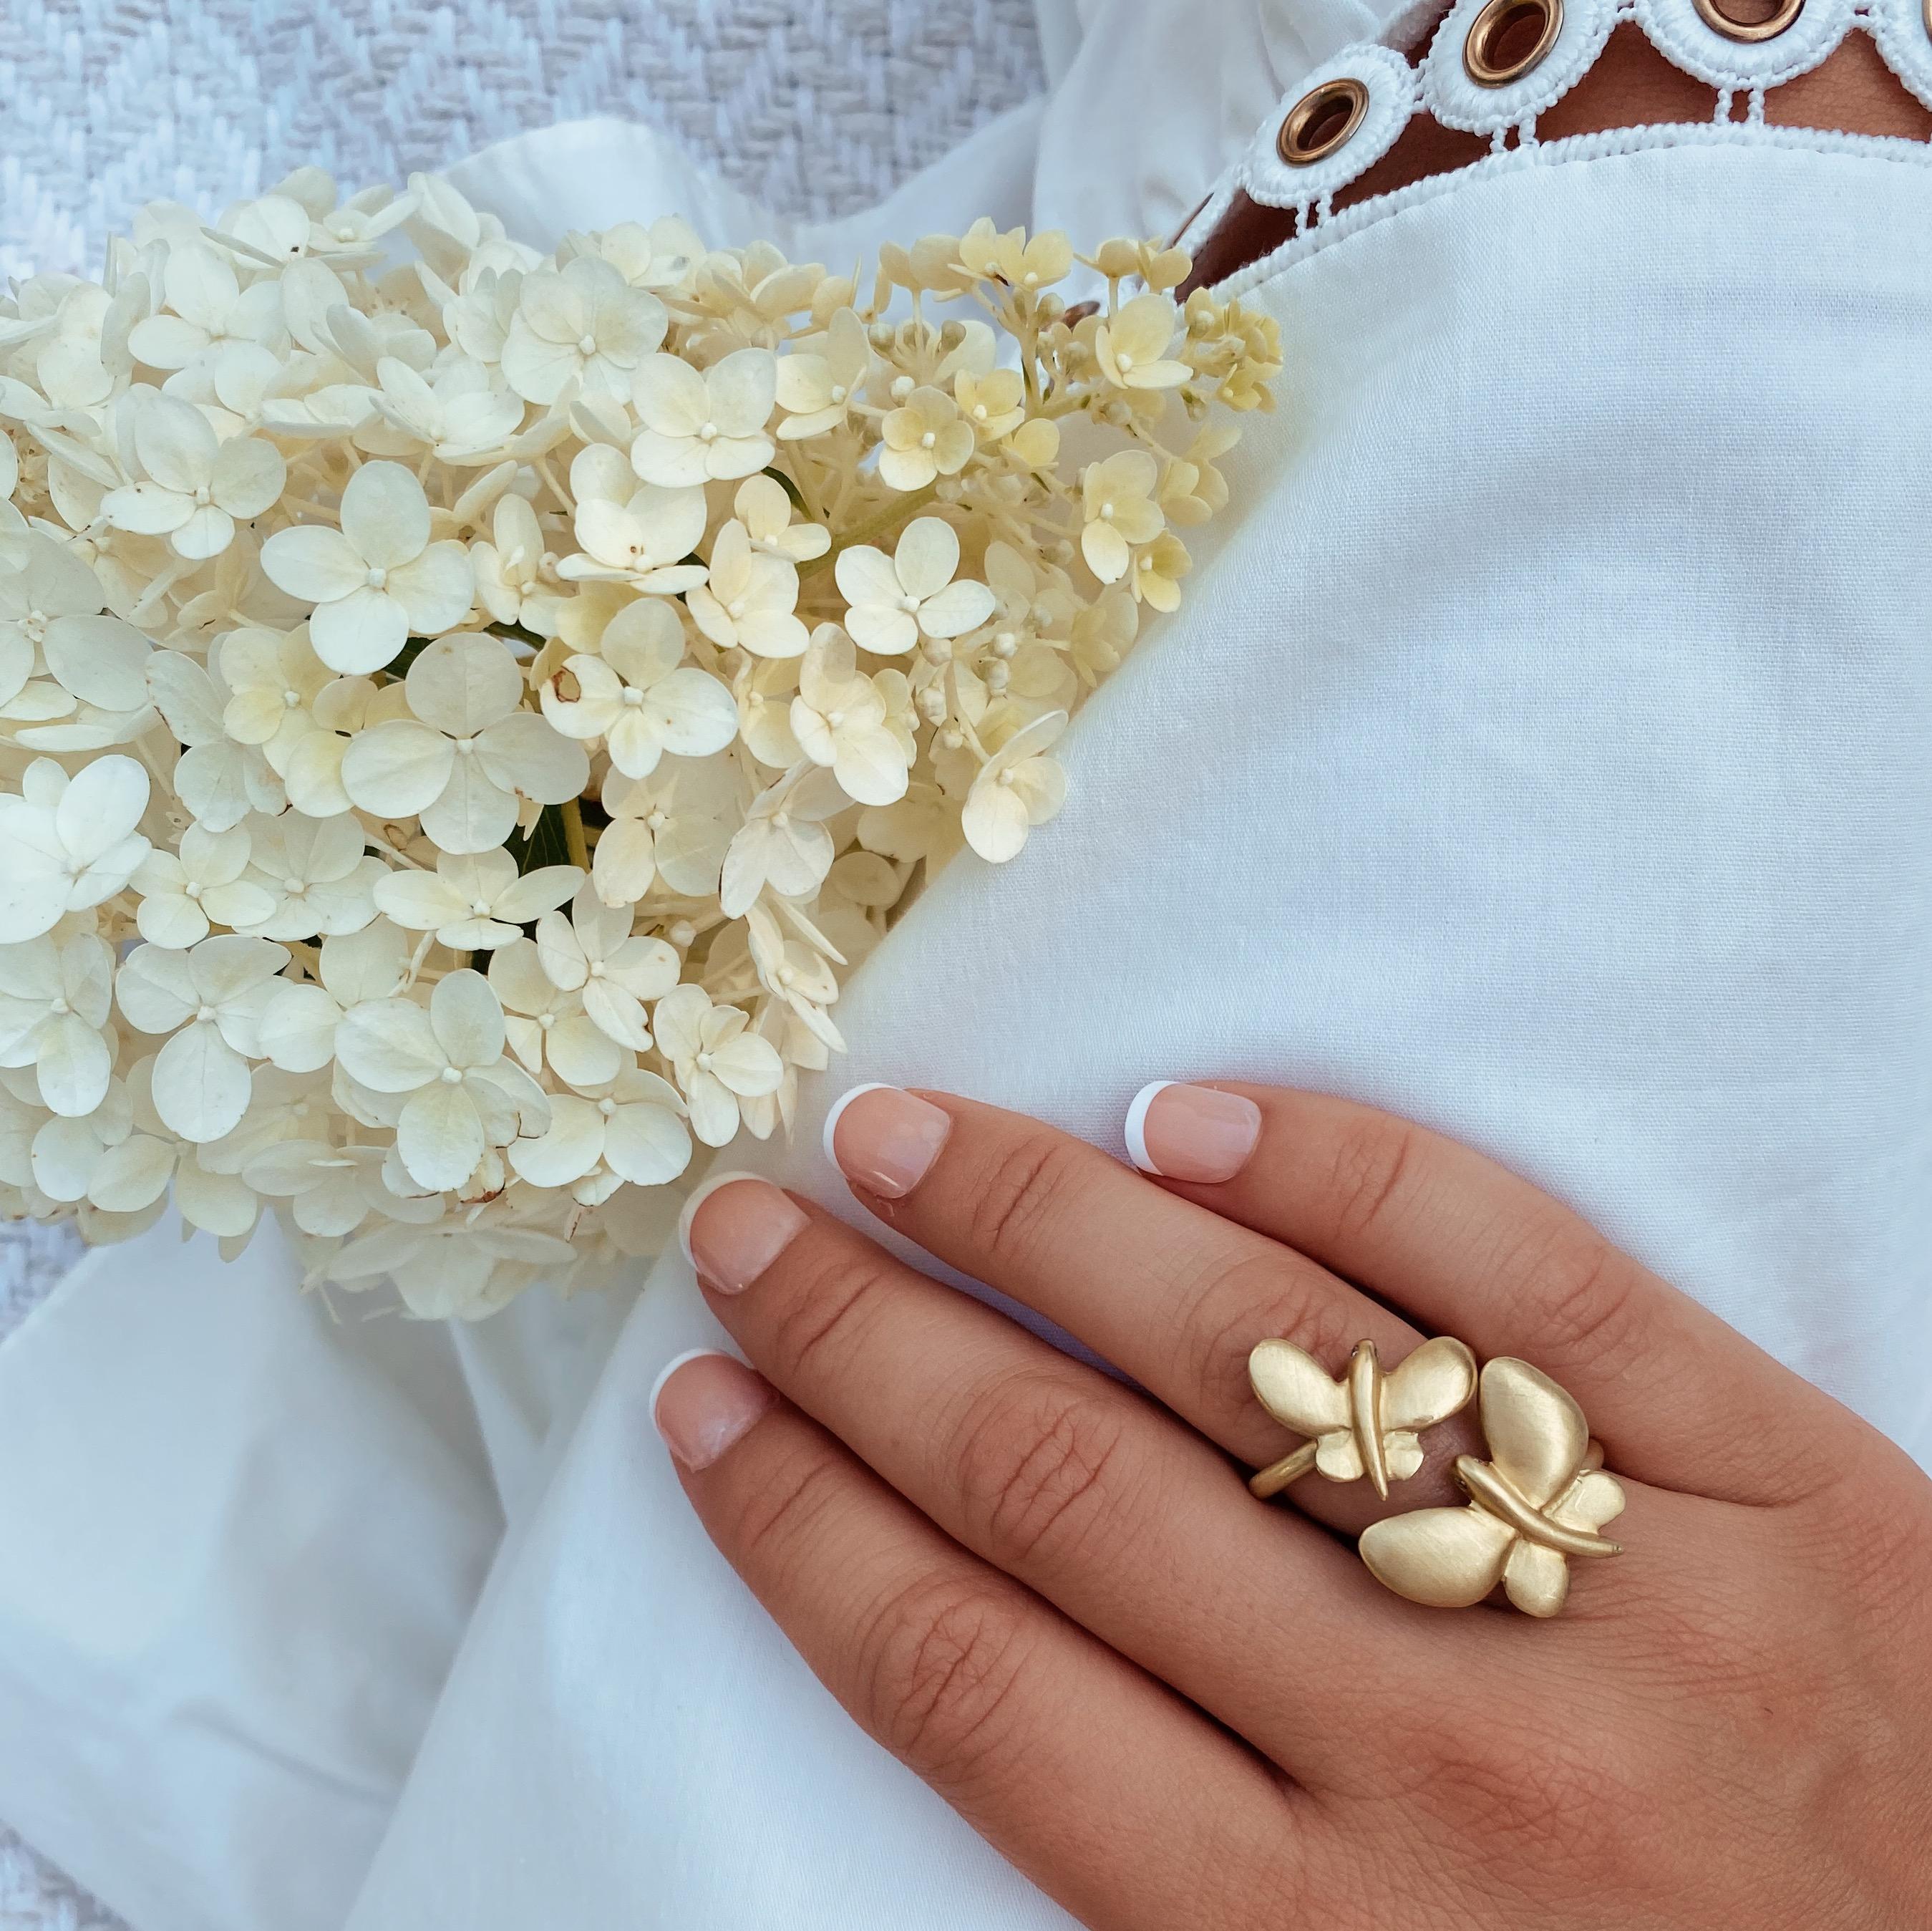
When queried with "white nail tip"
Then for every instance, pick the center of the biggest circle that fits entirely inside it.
(838, 1106)
(1136, 1130)
(699, 1195)
(670, 1368)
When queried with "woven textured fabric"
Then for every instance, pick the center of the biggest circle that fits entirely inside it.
(815, 107)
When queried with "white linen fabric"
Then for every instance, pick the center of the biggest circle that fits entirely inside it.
(1541, 752)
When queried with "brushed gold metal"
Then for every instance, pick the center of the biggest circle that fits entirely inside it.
(1319, 103)
(1488, 27)
(1539, 1501)
(1721, 23)
(1364, 1423)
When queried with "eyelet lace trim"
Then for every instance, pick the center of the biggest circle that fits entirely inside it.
(1439, 87)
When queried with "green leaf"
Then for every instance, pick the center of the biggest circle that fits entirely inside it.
(790, 488)
(547, 845)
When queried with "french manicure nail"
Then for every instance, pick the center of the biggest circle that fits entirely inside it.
(734, 1226)
(702, 1402)
(885, 1140)
(1191, 1133)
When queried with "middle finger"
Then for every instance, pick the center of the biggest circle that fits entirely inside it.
(1074, 1484)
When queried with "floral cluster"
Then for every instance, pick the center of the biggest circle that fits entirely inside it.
(463, 711)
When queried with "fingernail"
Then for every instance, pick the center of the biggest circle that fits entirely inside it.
(1191, 1133)
(734, 1226)
(703, 1401)
(884, 1139)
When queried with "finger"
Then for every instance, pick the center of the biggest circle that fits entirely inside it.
(1131, 1525)
(1467, 1247)
(1170, 1294)
(1075, 1765)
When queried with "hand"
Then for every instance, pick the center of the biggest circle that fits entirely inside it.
(1172, 1705)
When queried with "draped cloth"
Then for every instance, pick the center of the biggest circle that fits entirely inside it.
(1541, 752)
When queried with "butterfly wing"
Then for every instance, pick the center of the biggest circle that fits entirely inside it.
(1446, 1558)
(1538, 1579)
(1537, 1434)
(1429, 1384)
(1592, 1500)
(1339, 1456)
(1294, 1388)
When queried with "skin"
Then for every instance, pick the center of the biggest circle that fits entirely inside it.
(1172, 1706)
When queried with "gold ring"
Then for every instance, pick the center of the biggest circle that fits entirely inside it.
(1538, 1502)
(1321, 120)
(1479, 61)
(1721, 23)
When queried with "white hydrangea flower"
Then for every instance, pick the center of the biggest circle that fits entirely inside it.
(840, 719)
(783, 844)
(1131, 348)
(208, 312)
(1018, 787)
(379, 578)
(749, 599)
(55, 999)
(197, 488)
(546, 1024)
(638, 534)
(273, 681)
(517, 580)
(463, 1096)
(924, 438)
(52, 630)
(582, 326)
(897, 599)
(474, 902)
(456, 412)
(633, 1125)
(460, 760)
(314, 873)
(673, 825)
(298, 1022)
(70, 842)
(818, 384)
(700, 427)
(594, 952)
(65, 1154)
(1117, 495)
(218, 781)
(718, 1062)
(639, 695)
(450, 1271)
(199, 884)
(765, 511)
(209, 999)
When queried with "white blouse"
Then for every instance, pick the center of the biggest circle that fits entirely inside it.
(1542, 752)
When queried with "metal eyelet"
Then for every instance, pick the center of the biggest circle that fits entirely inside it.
(1500, 17)
(1788, 11)
(1321, 120)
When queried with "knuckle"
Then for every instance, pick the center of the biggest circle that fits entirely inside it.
(1586, 1295)
(1374, 1162)
(1019, 1188)
(942, 1661)
(834, 1293)
(1036, 1461)
(1232, 1306)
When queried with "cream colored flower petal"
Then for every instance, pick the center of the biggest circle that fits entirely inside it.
(313, 563)
(439, 1136)
(72, 1064)
(201, 1084)
(147, 508)
(437, 589)
(472, 812)
(995, 822)
(467, 1019)
(462, 684)
(581, 1052)
(730, 457)
(624, 862)
(926, 556)
(866, 575)
(714, 1109)
(132, 1175)
(169, 919)
(361, 632)
(617, 1013)
(388, 1047)
(522, 900)
(397, 768)
(1105, 551)
(678, 1017)
(175, 443)
(778, 634)
(743, 389)
(635, 743)
(643, 642)
(883, 629)
(250, 475)
(102, 660)
(1040, 785)
(599, 699)
(421, 901)
(649, 1146)
(670, 462)
(237, 905)
(561, 952)
(523, 750)
(297, 1028)
(385, 515)
(749, 1064)
(671, 396)
(101, 806)
(960, 607)
(871, 766)
(695, 713)
(572, 1146)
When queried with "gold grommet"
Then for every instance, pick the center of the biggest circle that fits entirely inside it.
(1321, 120)
(1788, 10)
(1497, 19)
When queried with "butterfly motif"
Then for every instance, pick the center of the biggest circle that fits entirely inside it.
(1540, 1499)
(1365, 1422)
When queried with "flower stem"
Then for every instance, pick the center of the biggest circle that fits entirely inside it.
(573, 834)
(894, 512)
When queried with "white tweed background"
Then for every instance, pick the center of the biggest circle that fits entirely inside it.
(816, 107)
